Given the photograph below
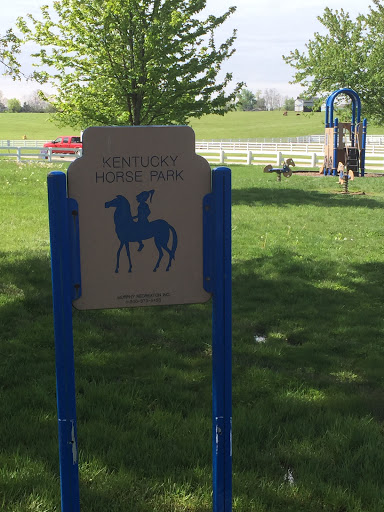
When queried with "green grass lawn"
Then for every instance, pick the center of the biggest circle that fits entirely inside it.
(234, 125)
(308, 358)
(34, 126)
(252, 125)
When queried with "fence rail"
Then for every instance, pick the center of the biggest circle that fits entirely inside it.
(307, 156)
(268, 145)
(307, 139)
(373, 161)
(274, 146)
(21, 143)
(28, 153)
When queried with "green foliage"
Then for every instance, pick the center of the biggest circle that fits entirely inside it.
(14, 105)
(350, 54)
(289, 104)
(9, 49)
(246, 100)
(131, 62)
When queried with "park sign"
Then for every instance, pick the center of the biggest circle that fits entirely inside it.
(139, 193)
(141, 220)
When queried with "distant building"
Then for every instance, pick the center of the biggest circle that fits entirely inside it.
(302, 105)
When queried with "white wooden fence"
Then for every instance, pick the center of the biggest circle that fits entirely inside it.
(375, 144)
(223, 153)
(21, 143)
(306, 139)
(275, 146)
(373, 161)
(37, 153)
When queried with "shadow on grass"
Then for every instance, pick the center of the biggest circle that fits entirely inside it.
(287, 197)
(309, 400)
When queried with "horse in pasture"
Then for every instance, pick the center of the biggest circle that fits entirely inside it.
(127, 230)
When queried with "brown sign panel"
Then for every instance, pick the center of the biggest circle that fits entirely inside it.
(140, 193)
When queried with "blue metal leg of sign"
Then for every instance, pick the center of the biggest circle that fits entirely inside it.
(218, 279)
(62, 312)
(73, 213)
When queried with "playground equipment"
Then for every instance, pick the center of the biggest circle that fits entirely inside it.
(344, 142)
(286, 171)
(345, 177)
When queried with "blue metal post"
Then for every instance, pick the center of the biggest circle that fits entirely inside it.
(363, 146)
(62, 313)
(335, 146)
(222, 343)
(353, 123)
(327, 115)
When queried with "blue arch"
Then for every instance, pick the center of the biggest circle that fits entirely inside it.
(356, 106)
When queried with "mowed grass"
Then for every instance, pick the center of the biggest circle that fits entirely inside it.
(308, 358)
(257, 125)
(234, 125)
(33, 126)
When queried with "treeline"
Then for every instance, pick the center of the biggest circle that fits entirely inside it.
(33, 103)
(269, 99)
(246, 100)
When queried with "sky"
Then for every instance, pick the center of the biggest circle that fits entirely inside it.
(266, 30)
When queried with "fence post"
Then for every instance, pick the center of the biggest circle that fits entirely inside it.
(49, 154)
(249, 158)
(19, 154)
(279, 158)
(222, 156)
(313, 160)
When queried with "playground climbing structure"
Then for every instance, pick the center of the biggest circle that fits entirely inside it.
(344, 142)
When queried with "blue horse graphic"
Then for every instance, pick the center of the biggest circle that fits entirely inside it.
(127, 230)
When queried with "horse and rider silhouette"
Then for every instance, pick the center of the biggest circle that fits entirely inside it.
(128, 229)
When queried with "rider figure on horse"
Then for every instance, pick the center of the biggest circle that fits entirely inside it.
(143, 211)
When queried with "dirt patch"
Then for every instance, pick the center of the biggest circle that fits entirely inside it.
(352, 193)
(317, 174)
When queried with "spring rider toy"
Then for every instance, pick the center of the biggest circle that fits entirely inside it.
(286, 171)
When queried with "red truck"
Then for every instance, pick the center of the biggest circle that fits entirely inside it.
(66, 144)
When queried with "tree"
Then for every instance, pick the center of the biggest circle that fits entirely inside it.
(36, 102)
(131, 62)
(289, 103)
(261, 103)
(273, 99)
(246, 100)
(350, 55)
(14, 105)
(9, 49)
(3, 102)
